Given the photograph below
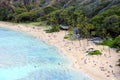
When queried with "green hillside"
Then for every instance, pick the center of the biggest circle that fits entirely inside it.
(92, 17)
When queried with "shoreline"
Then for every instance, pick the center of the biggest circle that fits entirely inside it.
(96, 67)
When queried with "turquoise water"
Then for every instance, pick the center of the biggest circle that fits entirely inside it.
(23, 57)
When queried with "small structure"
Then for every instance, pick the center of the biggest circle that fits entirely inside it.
(97, 40)
(64, 27)
(90, 48)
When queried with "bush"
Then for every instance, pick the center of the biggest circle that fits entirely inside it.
(20, 10)
(26, 16)
(44, 18)
(95, 52)
(4, 13)
(116, 43)
(54, 28)
(107, 42)
(66, 37)
(48, 9)
(112, 43)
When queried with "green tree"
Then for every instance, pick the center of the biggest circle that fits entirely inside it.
(26, 16)
(117, 42)
(108, 20)
(112, 25)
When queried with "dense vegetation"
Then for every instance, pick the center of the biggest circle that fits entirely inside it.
(108, 22)
(115, 43)
(93, 18)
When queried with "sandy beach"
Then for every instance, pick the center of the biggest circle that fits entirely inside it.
(98, 67)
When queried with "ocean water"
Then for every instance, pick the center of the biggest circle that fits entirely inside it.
(23, 57)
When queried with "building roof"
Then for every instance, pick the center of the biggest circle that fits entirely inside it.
(64, 27)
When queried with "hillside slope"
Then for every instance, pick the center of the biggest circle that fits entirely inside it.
(101, 17)
(87, 5)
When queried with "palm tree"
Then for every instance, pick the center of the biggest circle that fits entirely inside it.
(103, 32)
(90, 27)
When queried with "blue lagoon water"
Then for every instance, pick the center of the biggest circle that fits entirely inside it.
(23, 57)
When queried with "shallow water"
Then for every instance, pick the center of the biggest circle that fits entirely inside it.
(23, 57)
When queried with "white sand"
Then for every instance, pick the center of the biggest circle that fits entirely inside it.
(98, 67)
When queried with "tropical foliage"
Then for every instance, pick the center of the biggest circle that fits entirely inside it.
(92, 18)
(108, 22)
(95, 52)
(116, 43)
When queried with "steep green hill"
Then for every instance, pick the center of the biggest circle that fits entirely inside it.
(92, 17)
(90, 6)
